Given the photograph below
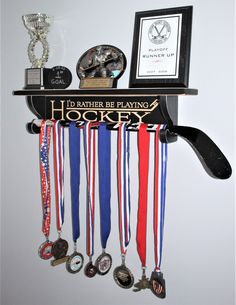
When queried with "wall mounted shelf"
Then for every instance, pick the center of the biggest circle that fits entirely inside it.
(133, 106)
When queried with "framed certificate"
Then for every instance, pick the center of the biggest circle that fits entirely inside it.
(161, 48)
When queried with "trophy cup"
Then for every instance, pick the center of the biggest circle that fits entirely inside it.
(38, 27)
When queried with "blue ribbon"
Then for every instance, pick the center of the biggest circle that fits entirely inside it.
(74, 143)
(104, 159)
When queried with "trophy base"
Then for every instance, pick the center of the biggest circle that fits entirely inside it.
(98, 82)
(36, 78)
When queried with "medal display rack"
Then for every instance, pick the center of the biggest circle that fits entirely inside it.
(134, 105)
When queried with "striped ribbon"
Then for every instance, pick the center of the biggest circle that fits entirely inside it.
(123, 187)
(58, 139)
(45, 136)
(159, 196)
(90, 162)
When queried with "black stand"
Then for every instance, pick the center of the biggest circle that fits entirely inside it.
(134, 106)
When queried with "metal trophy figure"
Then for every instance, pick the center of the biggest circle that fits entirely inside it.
(101, 67)
(122, 275)
(90, 140)
(38, 27)
(76, 259)
(104, 261)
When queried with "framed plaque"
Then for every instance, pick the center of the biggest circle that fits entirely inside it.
(161, 48)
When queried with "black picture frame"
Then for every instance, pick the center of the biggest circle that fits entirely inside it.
(161, 48)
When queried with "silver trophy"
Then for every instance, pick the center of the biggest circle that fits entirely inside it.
(38, 27)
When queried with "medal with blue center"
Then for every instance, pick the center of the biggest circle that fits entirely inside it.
(60, 246)
(104, 261)
(122, 275)
(90, 269)
(76, 259)
(45, 248)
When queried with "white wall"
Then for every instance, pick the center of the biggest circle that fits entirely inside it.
(198, 258)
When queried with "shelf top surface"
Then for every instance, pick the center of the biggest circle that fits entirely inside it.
(107, 92)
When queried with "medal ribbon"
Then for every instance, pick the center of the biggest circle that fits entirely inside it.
(74, 144)
(104, 153)
(123, 187)
(45, 136)
(159, 196)
(90, 161)
(58, 139)
(143, 148)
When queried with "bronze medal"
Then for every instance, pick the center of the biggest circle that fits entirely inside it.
(90, 270)
(59, 248)
(142, 284)
(45, 250)
(75, 262)
(103, 263)
(123, 277)
(157, 284)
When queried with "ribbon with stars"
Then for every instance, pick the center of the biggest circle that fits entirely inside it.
(45, 136)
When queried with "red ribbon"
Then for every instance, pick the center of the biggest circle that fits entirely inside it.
(143, 148)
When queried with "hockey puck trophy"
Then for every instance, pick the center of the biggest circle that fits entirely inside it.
(38, 27)
(100, 67)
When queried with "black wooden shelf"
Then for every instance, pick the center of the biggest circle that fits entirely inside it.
(108, 92)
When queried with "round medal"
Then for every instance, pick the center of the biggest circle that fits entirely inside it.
(45, 250)
(103, 263)
(59, 248)
(90, 270)
(123, 277)
(75, 262)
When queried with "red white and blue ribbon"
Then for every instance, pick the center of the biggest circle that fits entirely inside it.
(90, 162)
(143, 149)
(45, 136)
(58, 141)
(123, 187)
(159, 196)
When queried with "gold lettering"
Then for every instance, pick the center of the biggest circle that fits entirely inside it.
(106, 116)
(140, 116)
(86, 119)
(58, 110)
(74, 112)
(123, 115)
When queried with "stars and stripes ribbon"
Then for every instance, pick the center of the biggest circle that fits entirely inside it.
(143, 149)
(74, 145)
(45, 136)
(58, 147)
(90, 162)
(104, 162)
(123, 186)
(159, 196)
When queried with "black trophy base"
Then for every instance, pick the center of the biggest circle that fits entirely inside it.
(36, 78)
